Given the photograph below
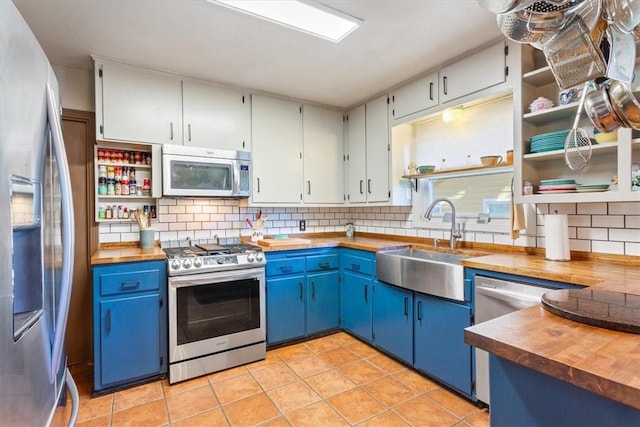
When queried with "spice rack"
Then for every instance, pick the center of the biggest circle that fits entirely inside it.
(116, 167)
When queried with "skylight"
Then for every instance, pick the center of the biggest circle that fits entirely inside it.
(306, 16)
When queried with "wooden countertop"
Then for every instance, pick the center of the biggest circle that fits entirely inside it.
(600, 360)
(112, 255)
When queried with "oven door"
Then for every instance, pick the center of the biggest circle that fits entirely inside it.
(214, 312)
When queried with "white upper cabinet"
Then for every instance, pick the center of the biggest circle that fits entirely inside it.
(137, 105)
(473, 73)
(414, 97)
(322, 136)
(215, 117)
(377, 132)
(276, 127)
(356, 156)
(368, 152)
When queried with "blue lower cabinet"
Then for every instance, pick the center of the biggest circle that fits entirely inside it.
(439, 345)
(356, 294)
(130, 323)
(521, 396)
(128, 351)
(303, 296)
(323, 301)
(285, 308)
(393, 320)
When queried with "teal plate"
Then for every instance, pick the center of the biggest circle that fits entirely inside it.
(557, 181)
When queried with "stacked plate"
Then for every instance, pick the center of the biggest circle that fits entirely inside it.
(548, 141)
(550, 186)
(592, 188)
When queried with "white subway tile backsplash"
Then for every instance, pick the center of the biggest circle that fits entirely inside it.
(598, 227)
(592, 233)
(632, 249)
(607, 247)
(591, 208)
(624, 235)
(628, 208)
(610, 221)
(632, 221)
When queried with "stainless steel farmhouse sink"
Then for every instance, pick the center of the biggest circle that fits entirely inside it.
(432, 273)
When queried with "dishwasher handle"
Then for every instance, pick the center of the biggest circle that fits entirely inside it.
(518, 300)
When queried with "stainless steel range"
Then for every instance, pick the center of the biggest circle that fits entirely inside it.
(216, 308)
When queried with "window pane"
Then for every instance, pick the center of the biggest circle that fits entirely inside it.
(473, 194)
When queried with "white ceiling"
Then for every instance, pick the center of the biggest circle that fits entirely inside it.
(397, 40)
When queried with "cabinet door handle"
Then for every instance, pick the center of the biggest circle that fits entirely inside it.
(419, 309)
(108, 321)
(361, 182)
(445, 90)
(258, 182)
(369, 186)
(366, 293)
(308, 187)
(132, 284)
(313, 291)
(431, 91)
(406, 306)
(171, 128)
(189, 130)
(301, 294)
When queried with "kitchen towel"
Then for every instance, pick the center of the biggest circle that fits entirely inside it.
(517, 217)
(556, 233)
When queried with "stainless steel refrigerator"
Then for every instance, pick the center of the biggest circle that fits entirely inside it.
(36, 232)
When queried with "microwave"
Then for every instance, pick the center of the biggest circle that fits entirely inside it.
(205, 172)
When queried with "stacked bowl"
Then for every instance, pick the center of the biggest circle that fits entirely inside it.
(548, 141)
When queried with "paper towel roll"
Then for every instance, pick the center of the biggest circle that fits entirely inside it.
(556, 233)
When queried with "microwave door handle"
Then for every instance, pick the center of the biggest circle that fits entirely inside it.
(68, 237)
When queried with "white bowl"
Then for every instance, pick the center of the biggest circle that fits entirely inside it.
(540, 104)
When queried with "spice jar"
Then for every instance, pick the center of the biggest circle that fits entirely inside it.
(350, 229)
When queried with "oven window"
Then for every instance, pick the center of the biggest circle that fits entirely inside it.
(209, 311)
(201, 176)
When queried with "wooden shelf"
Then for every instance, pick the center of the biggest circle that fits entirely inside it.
(461, 171)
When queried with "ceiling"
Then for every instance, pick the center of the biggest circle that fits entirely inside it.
(397, 40)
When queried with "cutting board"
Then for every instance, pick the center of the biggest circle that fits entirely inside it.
(289, 241)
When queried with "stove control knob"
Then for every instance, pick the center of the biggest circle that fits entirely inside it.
(259, 257)
(250, 257)
(220, 260)
(175, 264)
(197, 263)
(186, 263)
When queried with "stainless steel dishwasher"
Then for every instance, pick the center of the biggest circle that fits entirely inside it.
(495, 298)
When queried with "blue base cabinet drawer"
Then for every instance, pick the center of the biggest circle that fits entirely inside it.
(130, 323)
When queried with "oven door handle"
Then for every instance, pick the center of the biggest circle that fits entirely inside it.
(199, 279)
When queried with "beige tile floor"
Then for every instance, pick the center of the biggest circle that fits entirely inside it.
(334, 380)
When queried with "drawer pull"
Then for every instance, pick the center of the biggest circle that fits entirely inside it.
(286, 268)
(355, 267)
(324, 265)
(132, 284)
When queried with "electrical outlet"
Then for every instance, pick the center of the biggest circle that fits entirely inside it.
(303, 225)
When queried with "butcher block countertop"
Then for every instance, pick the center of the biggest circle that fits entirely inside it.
(113, 255)
(603, 361)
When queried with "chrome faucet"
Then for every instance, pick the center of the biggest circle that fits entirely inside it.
(455, 228)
